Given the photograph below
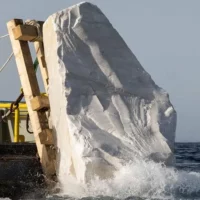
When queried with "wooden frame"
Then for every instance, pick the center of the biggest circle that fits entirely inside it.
(20, 34)
(26, 32)
(40, 102)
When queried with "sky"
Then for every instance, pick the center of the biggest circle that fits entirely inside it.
(164, 36)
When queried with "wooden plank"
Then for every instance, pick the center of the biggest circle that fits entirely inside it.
(39, 48)
(30, 87)
(40, 102)
(46, 137)
(25, 33)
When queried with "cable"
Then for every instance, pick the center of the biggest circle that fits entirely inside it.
(4, 65)
(27, 124)
(3, 36)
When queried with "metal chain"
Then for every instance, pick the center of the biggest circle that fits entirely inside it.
(2, 119)
(13, 107)
(15, 104)
(27, 124)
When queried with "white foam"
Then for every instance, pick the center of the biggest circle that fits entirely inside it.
(140, 179)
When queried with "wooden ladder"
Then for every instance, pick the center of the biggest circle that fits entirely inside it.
(37, 104)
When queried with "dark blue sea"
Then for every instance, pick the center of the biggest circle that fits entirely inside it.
(147, 180)
(188, 156)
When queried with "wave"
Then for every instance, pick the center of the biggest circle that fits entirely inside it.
(145, 179)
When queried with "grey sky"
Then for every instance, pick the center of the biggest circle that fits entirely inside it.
(164, 36)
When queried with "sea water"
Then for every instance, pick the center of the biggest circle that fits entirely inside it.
(144, 180)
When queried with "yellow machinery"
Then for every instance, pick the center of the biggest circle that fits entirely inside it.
(15, 128)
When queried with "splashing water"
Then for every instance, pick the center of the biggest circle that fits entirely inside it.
(145, 179)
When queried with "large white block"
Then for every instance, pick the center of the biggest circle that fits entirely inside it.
(106, 109)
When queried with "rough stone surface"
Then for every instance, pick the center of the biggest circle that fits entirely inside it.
(106, 109)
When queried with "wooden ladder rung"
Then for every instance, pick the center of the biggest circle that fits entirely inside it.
(46, 137)
(25, 32)
(40, 103)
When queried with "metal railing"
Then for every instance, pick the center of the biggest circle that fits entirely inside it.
(16, 114)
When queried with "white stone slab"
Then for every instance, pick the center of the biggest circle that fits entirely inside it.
(106, 109)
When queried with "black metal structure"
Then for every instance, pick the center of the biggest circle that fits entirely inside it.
(20, 170)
